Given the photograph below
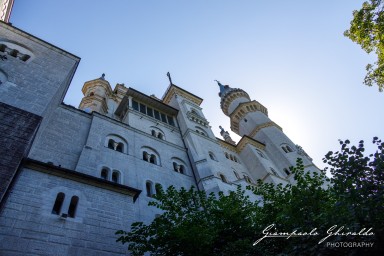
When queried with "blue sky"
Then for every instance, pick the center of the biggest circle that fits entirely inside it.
(291, 56)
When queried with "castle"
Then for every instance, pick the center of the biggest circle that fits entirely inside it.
(70, 177)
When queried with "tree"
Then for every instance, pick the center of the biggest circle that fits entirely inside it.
(194, 223)
(367, 27)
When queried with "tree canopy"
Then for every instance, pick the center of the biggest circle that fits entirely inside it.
(194, 223)
(367, 28)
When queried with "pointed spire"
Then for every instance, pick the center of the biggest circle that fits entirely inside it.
(226, 136)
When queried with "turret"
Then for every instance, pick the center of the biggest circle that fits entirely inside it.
(226, 136)
(96, 92)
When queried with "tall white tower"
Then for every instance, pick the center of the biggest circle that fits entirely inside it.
(250, 118)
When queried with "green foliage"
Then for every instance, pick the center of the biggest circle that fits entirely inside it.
(194, 223)
(367, 27)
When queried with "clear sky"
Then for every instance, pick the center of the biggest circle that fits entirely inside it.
(291, 56)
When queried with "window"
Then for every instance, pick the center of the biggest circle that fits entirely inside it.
(170, 120)
(273, 171)
(237, 175)
(286, 148)
(148, 187)
(157, 188)
(212, 156)
(287, 171)
(143, 109)
(104, 174)
(150, 111)
(247, 179)
(58, 203)
(160, 136)
(153, 133)
(157, 114)
(120, 147)
(111, 144)
(260, 154)
(135, 105)
(175, 167)
(117, 143)
(145, 156)
(73, 206)
(152, 159)
(223, 178)
(226, 155)
(182, 169)
(91, 93)
(163, 118)
(116, 176)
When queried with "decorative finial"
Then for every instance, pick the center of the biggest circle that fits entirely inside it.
(218, 83)
(169, 77)
(221, 128)
(102, 76)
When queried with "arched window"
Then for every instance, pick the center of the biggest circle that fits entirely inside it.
(152, 159)
(212, 156)
(145, 156)
(260, 153)
(116, 176)
(58, 203)
(247, 179)
(286, 148)
(175, 167)
(148, 188)
(160, 136)
(273, 171)
(237, 175)
(223, 178)
(73, 206)
(104, 174)
(182, 169)
(289, 148)
(111, 144)
(120, 147)
(200, 131)
(157, 188)
(287, 171)
(153, 132)
(91, 93)
(116, 143)
(226, 155)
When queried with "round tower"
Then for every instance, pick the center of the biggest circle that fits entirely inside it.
(250, 118)
(96, 92)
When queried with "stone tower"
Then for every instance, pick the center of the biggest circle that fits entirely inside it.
(250, 118)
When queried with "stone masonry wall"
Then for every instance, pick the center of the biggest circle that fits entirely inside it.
(17, 129)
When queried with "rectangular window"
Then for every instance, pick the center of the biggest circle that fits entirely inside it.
(149, 111)
(157, 115)
(170, 120)
(135, 105)
(163, 118)
(143, 109)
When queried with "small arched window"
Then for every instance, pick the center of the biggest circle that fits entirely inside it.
(153, 132)
(116, 176)
(73, 206)
(289, 149)
(260, 153)
(148, 188)
(120, 147)
(91, 93)
(104, 174)
(175, 167)
(152, 159)
(182, 169)
(160, 135)
(247, 179)
(237, 175)
(145, 156)
(273, 171)
(212, 156)
(157, 188)
(111, 144)
(223, 178)
(287, 171)
(226, 155)
(58, 203)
